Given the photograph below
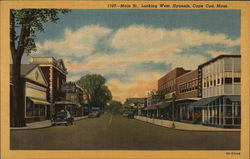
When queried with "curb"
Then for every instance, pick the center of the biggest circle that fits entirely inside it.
(191, 130)
(42, 127)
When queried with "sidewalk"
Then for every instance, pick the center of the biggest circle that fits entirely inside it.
(182, 126)
(42, 124)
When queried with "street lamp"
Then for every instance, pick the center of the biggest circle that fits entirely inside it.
(173, 102)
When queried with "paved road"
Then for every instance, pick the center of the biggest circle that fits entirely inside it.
(123, 134)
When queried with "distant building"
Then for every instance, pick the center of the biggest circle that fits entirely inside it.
(55, 73)
(135, 104)
(219, 86)
(152, 100)
(74, 93)
(35, 87)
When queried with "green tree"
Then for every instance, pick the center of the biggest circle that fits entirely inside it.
(24, 24)
(94, 85)
(114, 107)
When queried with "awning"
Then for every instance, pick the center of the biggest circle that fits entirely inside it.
(235, 98)
(203, 101)
(38, 101)
(151, 107)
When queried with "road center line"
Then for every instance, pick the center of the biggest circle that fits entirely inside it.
(110, 120)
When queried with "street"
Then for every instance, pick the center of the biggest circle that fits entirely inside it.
(119, 133)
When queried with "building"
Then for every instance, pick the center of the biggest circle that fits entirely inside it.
(55, 73)
(74, 93)
(152, 100)
(219, 86)
(167, 92)
(135, 104)
(35, 87)
(186, 94)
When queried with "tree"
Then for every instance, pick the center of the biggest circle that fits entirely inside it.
(94, 85)
(24, 24)
(114, 107)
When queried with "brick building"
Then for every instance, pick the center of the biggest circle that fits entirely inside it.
(55, 73)
(187, 93)
(167, 87)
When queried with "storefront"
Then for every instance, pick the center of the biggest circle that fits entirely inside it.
(187, 113)
(36, 109)
(220, 111)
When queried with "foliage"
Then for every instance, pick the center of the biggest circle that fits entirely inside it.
(94, 85)
(27, 22)
(114, 107)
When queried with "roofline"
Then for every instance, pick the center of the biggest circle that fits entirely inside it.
(173, 70)
(187, 73)
(217, 58)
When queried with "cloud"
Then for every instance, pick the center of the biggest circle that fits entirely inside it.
(217, 53)
(138, 88)
(79, 43)
(127, 48)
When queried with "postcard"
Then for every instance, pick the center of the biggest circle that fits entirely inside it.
(125, 79)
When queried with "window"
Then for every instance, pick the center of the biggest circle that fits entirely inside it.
(214, 82)
(222, 80)
(218, 81)
(211, 83)
(236, 80)
(29, 108)
(228, 80)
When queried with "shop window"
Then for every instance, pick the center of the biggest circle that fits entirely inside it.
(228, 80)
(229, 121)
(228, 111)
(29, 108)
(236, 80)
(237, 121)
(237, 111)
(36, 110)
(42, 110)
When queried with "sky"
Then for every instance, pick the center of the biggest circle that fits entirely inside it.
(132, 49)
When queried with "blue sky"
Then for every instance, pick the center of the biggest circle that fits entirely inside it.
(133, 48)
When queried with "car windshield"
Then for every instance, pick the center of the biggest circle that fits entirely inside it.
(61, 114)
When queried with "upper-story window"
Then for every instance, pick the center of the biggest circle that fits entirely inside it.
(236, 80)
(228, 80)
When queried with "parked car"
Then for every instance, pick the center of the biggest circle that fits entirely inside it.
(130, 115)
(96, 112)
(62, 118)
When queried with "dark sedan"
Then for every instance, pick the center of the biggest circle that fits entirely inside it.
(62, 118)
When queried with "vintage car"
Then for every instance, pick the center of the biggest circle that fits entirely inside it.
(62, 118)
(96, 112)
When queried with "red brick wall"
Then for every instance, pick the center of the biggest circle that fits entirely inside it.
(187, 85)
(57, 91)
(46, 72)
(167, 83)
